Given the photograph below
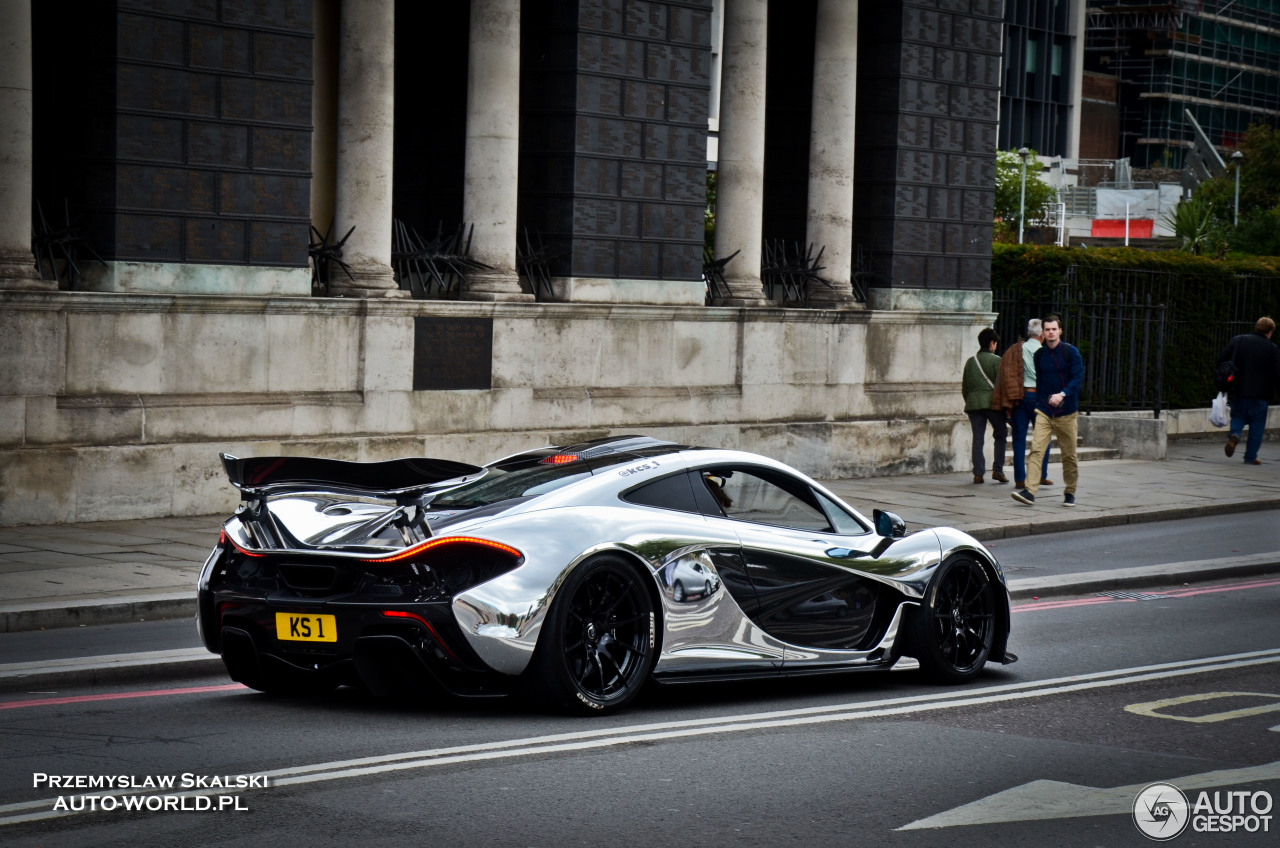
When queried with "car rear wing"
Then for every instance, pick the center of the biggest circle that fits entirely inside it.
(406, 481)
(397, 479)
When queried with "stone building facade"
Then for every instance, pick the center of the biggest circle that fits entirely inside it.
(199, 146)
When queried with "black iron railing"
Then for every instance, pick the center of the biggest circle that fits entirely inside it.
(1143, 333)
(1121, 339)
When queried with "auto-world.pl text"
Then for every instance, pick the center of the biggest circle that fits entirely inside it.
(114, 792)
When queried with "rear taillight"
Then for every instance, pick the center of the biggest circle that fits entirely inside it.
(433, 544)
(224, 539)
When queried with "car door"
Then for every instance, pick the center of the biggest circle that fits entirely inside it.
(706, 588)
(805, 557)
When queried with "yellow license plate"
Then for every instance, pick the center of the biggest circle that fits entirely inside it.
(293, 627)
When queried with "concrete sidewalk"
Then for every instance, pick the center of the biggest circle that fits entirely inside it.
(111, 572)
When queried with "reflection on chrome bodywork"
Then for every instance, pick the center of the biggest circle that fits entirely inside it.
(688, 578)
(710, 629)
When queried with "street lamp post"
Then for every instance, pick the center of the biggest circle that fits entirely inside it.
(1022, 197)
(1237, 158)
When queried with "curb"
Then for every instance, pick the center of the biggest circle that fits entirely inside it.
(1039, 523)
(106, 670)
(49, 615)
(1144, 576)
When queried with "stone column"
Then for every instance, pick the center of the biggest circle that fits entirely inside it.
(740, 166)
(366, 103)
(490, 182)
(324, 113)
(830, 215)
(17, 262)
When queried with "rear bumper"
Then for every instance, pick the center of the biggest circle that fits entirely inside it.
(418, 652)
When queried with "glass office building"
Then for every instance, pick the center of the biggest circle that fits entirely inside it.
(1039, 83)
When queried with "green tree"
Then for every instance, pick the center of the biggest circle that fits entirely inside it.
(1258, 231)
(1009, 189)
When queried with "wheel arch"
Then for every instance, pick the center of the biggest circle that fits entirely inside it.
(633, 560)
(1000, 638)
(543, 677)
(648, 579)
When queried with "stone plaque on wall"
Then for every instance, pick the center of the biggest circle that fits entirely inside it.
(452, 353)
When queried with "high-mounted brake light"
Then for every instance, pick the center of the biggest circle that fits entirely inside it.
(423, 547)
(559, 459)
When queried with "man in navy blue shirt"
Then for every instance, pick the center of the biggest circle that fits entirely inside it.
(1059, 375)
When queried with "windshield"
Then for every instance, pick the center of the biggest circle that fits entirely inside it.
(523, 477)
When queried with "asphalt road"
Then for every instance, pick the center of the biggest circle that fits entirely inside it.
(1050, 751)
(1130, 545)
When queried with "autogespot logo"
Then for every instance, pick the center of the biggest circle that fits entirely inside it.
(1161, 811)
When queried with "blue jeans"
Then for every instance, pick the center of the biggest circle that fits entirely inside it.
(1023, 415)
(1252, 413)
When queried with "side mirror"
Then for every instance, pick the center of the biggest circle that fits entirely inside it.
(888, 524)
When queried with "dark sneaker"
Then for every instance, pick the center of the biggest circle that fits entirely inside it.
(998, 477)
(1232, 441)
(1068, 499)
(1023, 496)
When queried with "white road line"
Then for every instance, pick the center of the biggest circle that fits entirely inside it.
(610, 737)
(1041, 800)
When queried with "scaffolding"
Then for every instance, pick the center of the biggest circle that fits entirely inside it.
(1219, 59)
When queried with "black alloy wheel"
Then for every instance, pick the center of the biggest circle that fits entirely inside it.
(955, 626)
(598, 644)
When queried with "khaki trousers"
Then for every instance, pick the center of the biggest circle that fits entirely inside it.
(1064, 427)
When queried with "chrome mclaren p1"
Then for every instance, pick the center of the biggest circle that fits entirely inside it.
(577, 574)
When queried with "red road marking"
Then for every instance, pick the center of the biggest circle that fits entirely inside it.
(1186, 593)
(80, 699)
(1176, 593)
(1079, 602)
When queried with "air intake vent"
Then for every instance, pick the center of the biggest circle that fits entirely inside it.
(309, 579)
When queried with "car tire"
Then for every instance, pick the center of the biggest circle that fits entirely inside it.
(598, 642)
(678, 593)
(954, 628)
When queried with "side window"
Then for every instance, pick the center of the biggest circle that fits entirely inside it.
(844, 523)
(762, 497)
(674, 492)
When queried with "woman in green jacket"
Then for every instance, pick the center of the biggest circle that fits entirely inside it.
(978, 383)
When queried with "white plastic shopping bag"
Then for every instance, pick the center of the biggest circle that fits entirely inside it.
(1219, 416)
